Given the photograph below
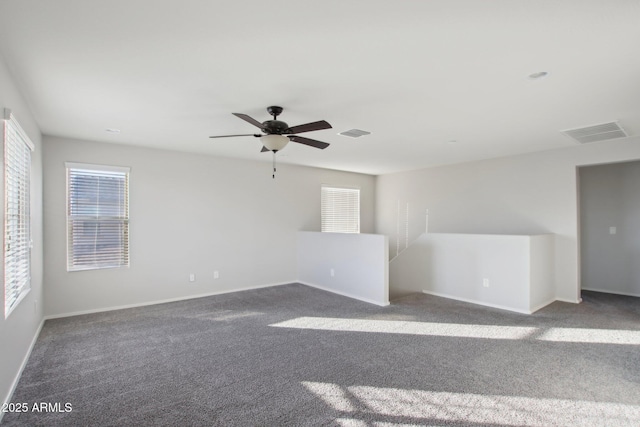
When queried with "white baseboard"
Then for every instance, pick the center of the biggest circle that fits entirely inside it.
(486, 304)
(345, 294)
(541, 306)
(163, 301)
(608, 291)
(572, 301)
(502, 307)
(25, 359)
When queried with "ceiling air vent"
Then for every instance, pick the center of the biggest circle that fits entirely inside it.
(596, 133)
(354, 133)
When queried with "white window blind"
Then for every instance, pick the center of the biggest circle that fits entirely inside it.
(340, 209)
(97, 217)
(17, 216)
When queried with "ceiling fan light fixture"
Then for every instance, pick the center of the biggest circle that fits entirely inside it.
(274, 142)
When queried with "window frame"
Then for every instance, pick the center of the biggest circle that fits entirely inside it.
(126, 248)
(21, 181)
(326, 223)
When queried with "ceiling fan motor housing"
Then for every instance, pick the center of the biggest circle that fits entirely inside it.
(274, 127)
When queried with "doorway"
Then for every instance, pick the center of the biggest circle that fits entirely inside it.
(609, 217)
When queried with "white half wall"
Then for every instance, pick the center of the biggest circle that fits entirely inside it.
(189, 213)
(353, 265)
(528, 194)
(541, 271)
(19, 331)
(491, 270)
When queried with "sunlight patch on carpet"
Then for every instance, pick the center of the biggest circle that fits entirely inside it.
(595, 336)
(411, 328)
(496, 332)
(366, 402)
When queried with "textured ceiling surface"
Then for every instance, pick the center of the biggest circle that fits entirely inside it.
(435, 82)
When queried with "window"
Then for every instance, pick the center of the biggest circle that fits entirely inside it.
(340, 209)
(17, 217)
(97, 217)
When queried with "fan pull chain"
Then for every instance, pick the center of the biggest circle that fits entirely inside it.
(274, 165)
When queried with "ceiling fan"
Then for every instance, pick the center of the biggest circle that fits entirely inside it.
(277, 134)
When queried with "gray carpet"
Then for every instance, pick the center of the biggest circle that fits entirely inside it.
(293, 355)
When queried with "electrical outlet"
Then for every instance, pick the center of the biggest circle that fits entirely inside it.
(332, 272)
(485, 282)
(192, 277)
(216, 274)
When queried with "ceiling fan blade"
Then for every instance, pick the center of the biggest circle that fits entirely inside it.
(311, 142)
(309, 127)
(248, 119)
(229, 136)
(264, 149)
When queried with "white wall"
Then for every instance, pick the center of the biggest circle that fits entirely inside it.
(188, 214)
(359, 263)
(456, 265)
(19, 330)
(610, 197)
(527, 194)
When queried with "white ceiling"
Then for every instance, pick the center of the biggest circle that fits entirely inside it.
(417, 74)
